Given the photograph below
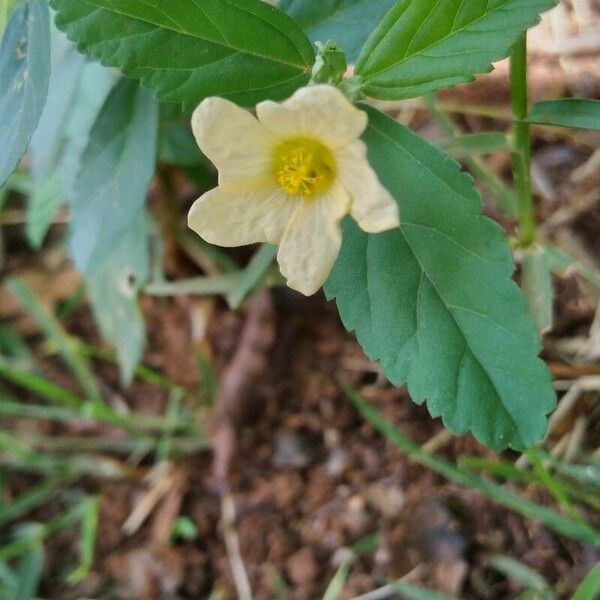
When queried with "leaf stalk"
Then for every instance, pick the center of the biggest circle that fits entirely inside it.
(522, 141)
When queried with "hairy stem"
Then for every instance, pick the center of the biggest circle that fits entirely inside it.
(522, 141)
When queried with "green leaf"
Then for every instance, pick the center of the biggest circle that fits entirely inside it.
(113, 291)
(186, 50)
(43, 204)
(472, 144)
(176, 143)
(90, 513)
(24, 75)
(184, 529)
(536, 281)
(60, 138)
(348, 22)
(47, 141)
(571, 112)
(434, 300)
(413, 592)
(589, 589)
(424, 45)
(77, 92)
(29, 573)
(95, 83)
(562, 264)
(521, 573)
(253, 275)
(116, 169)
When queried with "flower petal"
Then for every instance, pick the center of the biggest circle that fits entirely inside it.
(232, 138)
(237, 214)
(373, 207)
(312, 241)
(318, 111)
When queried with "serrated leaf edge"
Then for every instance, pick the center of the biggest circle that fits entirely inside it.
(523, 314)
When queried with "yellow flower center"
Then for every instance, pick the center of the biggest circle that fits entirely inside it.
(303, 167)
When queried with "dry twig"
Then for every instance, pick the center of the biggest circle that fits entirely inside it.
(239, 380)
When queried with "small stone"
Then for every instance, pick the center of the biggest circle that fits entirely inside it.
(302, 567)
(337, 462)
(387, 499)
(292, 451)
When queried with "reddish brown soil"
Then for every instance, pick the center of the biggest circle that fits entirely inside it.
(309, 476)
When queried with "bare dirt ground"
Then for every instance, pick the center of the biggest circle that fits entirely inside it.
(307, 476)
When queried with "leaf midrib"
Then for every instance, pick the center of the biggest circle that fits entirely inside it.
(442, 299)
(179, 31)
(484, 368)
(437, 42)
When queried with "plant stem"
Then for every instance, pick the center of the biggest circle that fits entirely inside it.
(214, 285)
(522, 141)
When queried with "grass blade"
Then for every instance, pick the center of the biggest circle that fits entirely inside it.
(58, 337)
(589, 589)
(13, 345)
(31, 499)
(412, 592)
(561, 263)
(90, 513)
(334, 589)
(36, 533)
(472, 144)
(252, 276)
(505, 470)
(500, 468)
(13, 408)
(520, 573)
(29, 574)
(497, 493)
(369, 543)
(133, 422)
(553, 485)
(38, 385)
(143, 372)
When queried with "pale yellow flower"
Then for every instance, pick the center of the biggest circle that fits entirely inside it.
(288, 176)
